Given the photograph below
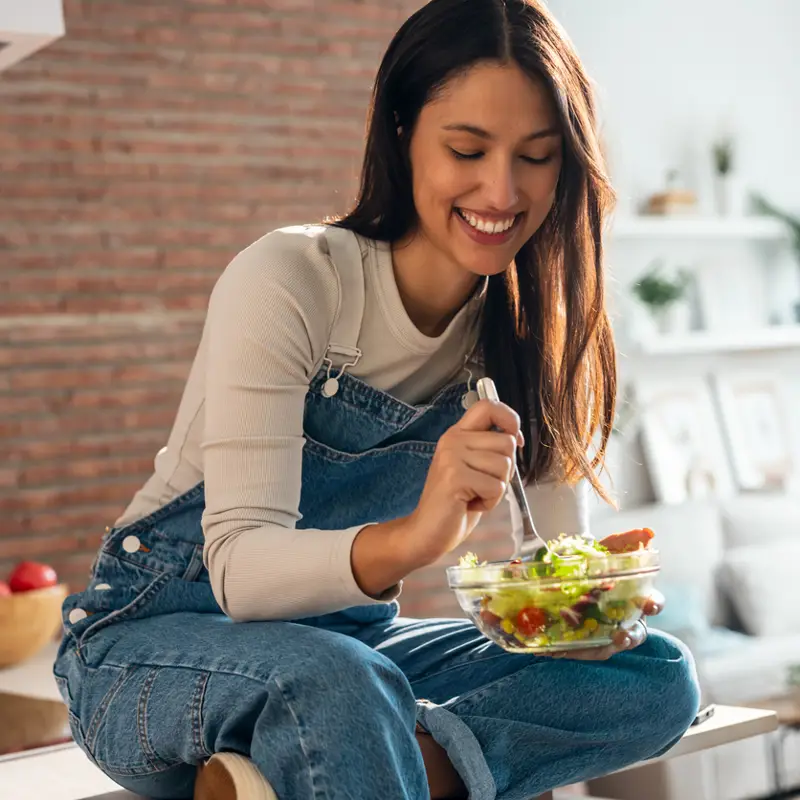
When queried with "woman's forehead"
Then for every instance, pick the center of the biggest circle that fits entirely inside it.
(499, 99)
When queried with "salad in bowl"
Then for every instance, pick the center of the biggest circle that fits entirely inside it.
(575, 593)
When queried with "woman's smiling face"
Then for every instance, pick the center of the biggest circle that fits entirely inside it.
(485, 157)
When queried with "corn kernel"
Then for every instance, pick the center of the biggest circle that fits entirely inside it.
(507, 625)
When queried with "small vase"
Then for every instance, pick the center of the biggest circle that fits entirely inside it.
(674, 319)
(730, 195)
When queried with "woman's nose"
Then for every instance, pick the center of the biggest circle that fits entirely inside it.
(502, 188)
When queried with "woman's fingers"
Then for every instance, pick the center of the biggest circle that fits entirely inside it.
(589, 654)
(627, 640)
(494, 441)
(495, 465)
(487, 415)
(468, 475)
(623, 640)
(654, 604)
(486, 490)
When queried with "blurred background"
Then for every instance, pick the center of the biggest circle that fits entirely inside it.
(145, 143)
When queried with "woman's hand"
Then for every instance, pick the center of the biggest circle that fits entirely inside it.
(469, 474)
(652, 605)
(623, 640)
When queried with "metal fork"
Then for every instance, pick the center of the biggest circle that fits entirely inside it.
(531, 541)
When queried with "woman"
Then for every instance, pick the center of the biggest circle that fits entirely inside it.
(321, 452)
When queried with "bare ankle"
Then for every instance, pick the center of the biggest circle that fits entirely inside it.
(443, 780)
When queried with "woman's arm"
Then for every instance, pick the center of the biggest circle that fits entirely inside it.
(268, 324)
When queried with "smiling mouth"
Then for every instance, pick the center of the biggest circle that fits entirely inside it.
(489, 227)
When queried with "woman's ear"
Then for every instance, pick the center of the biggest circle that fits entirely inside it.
(397, 123)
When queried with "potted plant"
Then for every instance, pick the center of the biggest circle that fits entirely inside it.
(763, 206)
(729, 196)
(663, 296)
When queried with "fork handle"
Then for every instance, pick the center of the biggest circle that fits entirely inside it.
(488, 391)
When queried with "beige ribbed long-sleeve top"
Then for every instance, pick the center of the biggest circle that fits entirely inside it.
(239, 426)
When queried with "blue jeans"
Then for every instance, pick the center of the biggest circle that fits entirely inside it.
(327, 707)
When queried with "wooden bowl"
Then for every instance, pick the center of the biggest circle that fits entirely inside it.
(28, 621)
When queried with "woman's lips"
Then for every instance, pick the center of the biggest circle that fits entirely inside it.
(480, 237)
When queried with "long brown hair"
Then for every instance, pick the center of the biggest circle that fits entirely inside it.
(545, 337)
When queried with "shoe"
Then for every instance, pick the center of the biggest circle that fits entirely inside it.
(230, 776)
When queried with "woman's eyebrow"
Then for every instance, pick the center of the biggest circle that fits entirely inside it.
(476, 131)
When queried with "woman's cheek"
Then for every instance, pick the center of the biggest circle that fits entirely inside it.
(547, 189)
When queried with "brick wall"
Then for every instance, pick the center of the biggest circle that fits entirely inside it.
(139, 154)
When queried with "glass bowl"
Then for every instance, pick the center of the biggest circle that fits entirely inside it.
(538, 607)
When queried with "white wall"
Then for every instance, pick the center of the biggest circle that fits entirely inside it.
(671, 76)
(26, 26)
(672, 73)
(37, 17)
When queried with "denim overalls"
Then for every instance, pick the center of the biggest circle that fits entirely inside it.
(157, 678)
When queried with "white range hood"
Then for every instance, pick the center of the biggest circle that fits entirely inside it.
(27, 26)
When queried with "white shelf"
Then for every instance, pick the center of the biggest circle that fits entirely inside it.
(774, 338)
(653, 227)
(28, 27)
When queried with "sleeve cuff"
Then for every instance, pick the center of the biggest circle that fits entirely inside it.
(341, 564)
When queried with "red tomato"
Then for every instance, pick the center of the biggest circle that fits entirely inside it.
(4, 589)
(28, 575)
(531, 621)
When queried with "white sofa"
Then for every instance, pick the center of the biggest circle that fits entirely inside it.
(731, 574)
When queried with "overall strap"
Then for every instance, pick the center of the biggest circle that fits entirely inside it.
(348, 259)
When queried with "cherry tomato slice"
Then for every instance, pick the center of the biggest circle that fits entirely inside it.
(531, 621)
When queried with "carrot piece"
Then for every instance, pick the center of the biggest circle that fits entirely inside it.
(629, 541)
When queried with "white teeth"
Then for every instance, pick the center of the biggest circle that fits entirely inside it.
(485, 226)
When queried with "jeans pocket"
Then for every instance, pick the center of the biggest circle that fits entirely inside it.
(76, 730)
(145, 719)
(116, 737)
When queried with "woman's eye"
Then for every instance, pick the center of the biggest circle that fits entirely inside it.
(466, 156)
(531, 160)
(479, 154)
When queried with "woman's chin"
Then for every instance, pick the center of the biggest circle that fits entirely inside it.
(484, 267)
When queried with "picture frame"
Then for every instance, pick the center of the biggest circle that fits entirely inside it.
(755, 422)
(682, 439)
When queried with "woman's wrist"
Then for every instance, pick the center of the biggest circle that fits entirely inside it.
(381, 556)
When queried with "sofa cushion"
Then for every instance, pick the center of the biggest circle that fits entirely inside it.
(684, 614)
(689, 539)
(756, 669)
(755, 519)
(759, 581)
